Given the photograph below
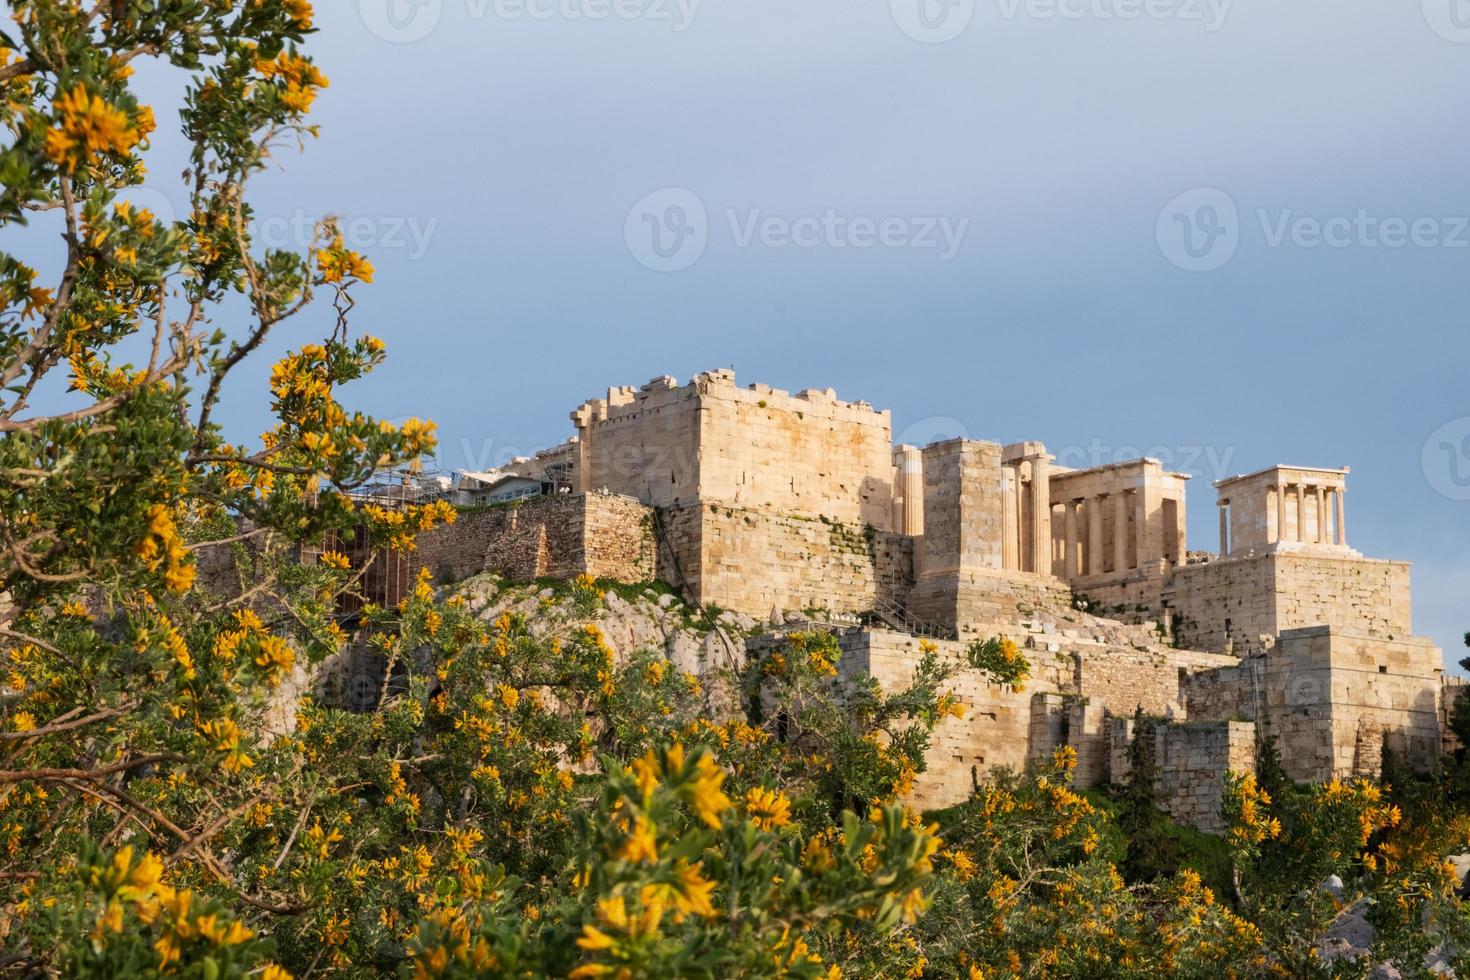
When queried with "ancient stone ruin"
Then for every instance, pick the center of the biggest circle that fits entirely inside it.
(757, 500)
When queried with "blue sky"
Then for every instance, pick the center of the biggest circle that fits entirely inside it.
(496, 154)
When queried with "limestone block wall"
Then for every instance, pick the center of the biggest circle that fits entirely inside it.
(1154, 679)
(1192, 760)
(968, 601)
(995, 732)
(753, 560)
(1064, 702)
(1234, 690)
(1361, 594)
(642, 443)
(1333, 696)
(1131, 595)
(962, 507)
(806, 453)
(754, 447)
(1450, 690)
(959, 561)
(602, 535)
(1233, 603)
(1330, 697)
(1221, 606)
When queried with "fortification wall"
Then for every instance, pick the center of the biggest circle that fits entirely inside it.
(1333, 696)
(1191, 761)
(753, 560)
(1222, 606)
(1152, 678)
(806, 453)
(1064, 702)
(995, 732)
(755, 447)
(1359, 594)
(1229, 691)
(644, 444)
(1234, 602)
(602, 535)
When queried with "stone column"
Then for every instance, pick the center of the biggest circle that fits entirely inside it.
(1322, 514)
(913, 490)
(1224, 528)
(1120, 533)
(1010, 518)
(1140, 525)
(1095, 535)
(1341, 518)
(1069, 560)
(1281, 512)
(1301, 512)
(1041, 514)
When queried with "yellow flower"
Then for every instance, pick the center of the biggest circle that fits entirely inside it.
(300, 77)
(769, 810)
(89, 127)
(335, 559)
(224, 735)
(594, 938)
(276, 657)
(300, 12)
(704, 790)
(338, 264)
(694, 892)
(646, 771)
(641, 845)
(23, 721)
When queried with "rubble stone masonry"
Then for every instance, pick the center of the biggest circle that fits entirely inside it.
(602, 535)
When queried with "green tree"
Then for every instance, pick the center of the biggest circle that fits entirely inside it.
(1140, 817)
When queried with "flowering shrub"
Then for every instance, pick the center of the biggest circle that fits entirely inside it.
(520, 800)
